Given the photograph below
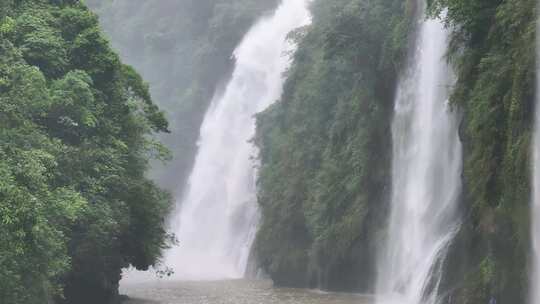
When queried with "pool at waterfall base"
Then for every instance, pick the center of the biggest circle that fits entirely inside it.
(232, 292)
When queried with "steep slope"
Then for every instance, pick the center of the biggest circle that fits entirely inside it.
(326, 147)
(324, 180)
(494, 56)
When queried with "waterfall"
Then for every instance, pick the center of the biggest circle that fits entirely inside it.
(534, 292)
(216, 220)
(426, 176)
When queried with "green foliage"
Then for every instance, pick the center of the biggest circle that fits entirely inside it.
(7, 26)
(40, 42)
(494, 56)
(76, 135)
(324, 146)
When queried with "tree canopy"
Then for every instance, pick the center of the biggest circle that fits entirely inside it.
(76, 133)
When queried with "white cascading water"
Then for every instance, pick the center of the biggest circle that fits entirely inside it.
(534, 288)
(216, 220)
(426, 179)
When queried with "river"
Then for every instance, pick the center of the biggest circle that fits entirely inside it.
(231, 292)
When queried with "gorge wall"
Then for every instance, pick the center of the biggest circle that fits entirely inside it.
(77, 130)
(493, 51)
(324, 183)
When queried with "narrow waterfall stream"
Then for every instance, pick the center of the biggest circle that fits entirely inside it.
(426, 176)
(216, 220)
(534, 291)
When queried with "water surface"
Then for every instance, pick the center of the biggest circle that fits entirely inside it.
(232, 292)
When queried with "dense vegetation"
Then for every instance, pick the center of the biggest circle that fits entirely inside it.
(325, 146)
(493, 51)
(76, 131)
(183, 49)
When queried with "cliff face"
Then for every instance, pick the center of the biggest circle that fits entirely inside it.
(493, 51)
(77, 127)
(325, 147)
